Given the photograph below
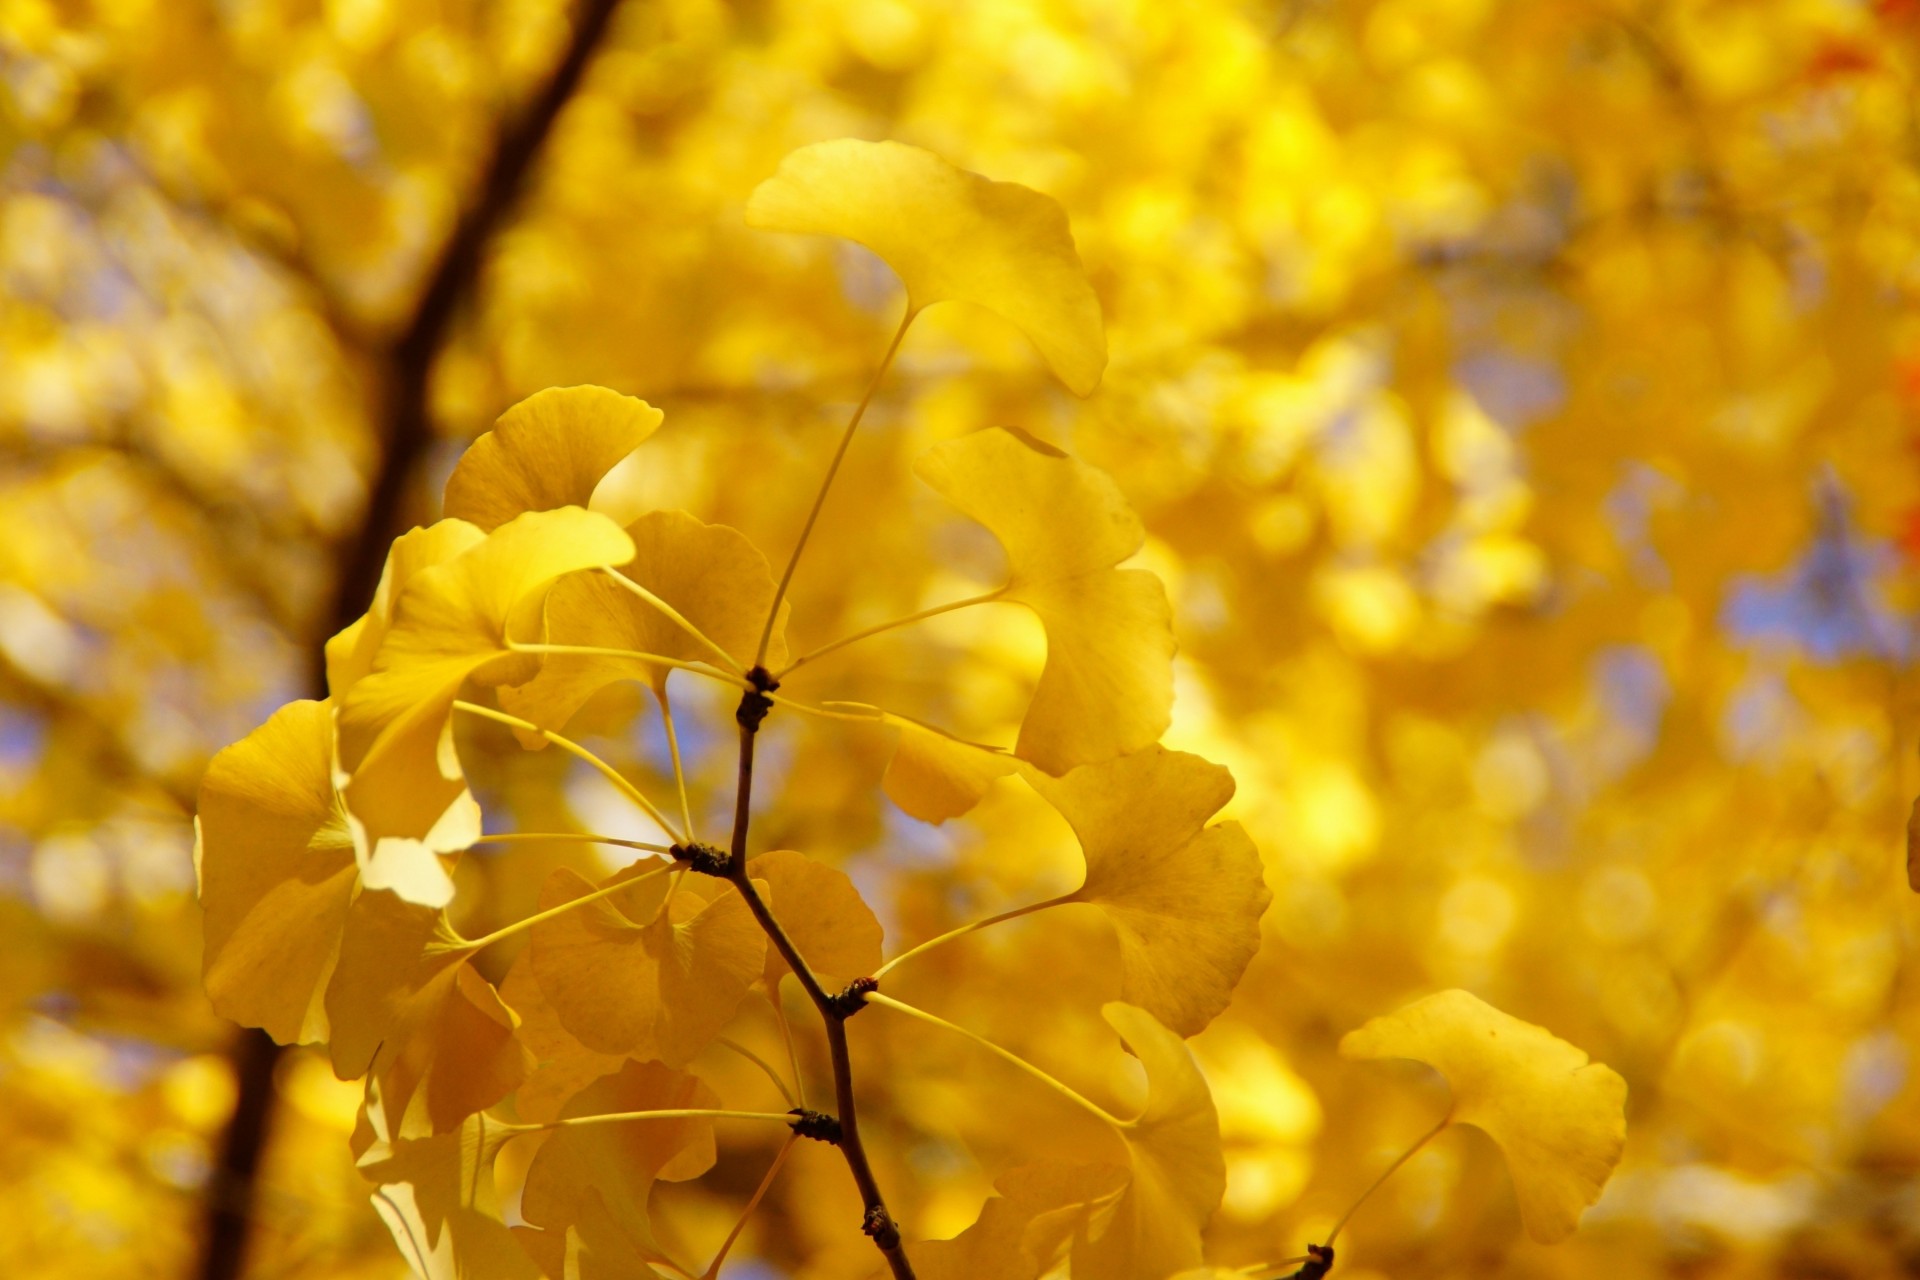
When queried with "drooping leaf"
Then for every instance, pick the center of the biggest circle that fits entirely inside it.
(710, 574)
(276, 871)
(651, 972)
(407, 1006)
(437, 1197)
(595, 1180)
(451, 623)
(1107, 687)
(1559, 1118)
(950, 235)
(548, 451)
(1184, 898)
(824, 915)
(934, 776)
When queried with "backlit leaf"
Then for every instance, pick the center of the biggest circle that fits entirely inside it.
(548, 451)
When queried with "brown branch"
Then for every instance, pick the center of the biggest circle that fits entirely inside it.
(834, 1012)
(362, 558)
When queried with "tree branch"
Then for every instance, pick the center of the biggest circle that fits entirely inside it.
(834, 1012)
(361, 558)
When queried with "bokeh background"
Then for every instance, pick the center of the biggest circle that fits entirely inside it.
(1522, 399)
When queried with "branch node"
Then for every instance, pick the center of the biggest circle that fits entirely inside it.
(754, 703)
(1319, 1262)
(817, 1125)
(879, 1224)
(703, 859)
(853, 999)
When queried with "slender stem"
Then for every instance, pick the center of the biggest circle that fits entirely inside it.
(885, 627)
(863, 712)
(694, 1113)
(1275, 1266)
(1392, 1169)
(761, 1063)
(786, 1035)
(727, 660)
(759, 1193)
(1053, 1084)
(657, 659)
(541, 917)
(966, 929)
(878, 1223)
(582, 837)
(673, 749)
(833, 469)
(573, 748)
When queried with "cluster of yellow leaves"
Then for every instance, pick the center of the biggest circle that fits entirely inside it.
(329, 837)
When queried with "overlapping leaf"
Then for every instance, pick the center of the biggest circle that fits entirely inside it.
(1559, 1119)
(949, 235)
(277, 872)
(1107, 687)
(549, 451)
(1184, 898)
(651, 971)
(822, 913)
(437, 1197)
(709, 574)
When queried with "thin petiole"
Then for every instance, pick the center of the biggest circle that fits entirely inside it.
(966, 929)
(875, 997)
(865, 713)
(1392, 1169)
(656, 659)
(761, 1063)
(620, 1117)
(793, 1054)
(773, 1171)
(673, 616)
(833, 469)
(581, 837)
(885, 627)
(673, 749)
(541, 917)
(573, 748)
(1275, 1266)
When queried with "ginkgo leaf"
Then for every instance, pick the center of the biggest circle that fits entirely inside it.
(450, 624)
(1184, 898)
(350, 654)
(652, 971)
(823, 914)
(1178, 1175)
(1022, 1230)
(406, 1006)
(437, 1197)
(711, 575)
(949, 235)
(934, 776)
(596, 1179)
(562, 1065)
(549, 451)
(1559, 1119)
(276, 870)
(1107, 687)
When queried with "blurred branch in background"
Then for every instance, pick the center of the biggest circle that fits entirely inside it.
(405, 434)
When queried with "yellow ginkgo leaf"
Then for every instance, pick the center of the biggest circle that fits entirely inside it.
(549, 451)
(1022, 1230)
(934, 776)
(950, 235)
(709, 574)
(1560, 1119)
(437, 1197)
(350, 654)
(1184, 898)
(1107, 687)
(406, 1006)
(405, 792)
(276, 871)
(824, 915)
(562, 1066)
(652, 971)
(595, 1180)
(1152, 1229)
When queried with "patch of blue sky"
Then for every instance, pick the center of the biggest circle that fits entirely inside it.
(1630, 506)
(1513, 389)
(1827, 606)
(867, 282)
(1759, 718)
(1632, 686)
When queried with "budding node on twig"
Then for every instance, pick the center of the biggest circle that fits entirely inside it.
(879, 1225)
(705, 859)
(817, 1125)
(851, 1001)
